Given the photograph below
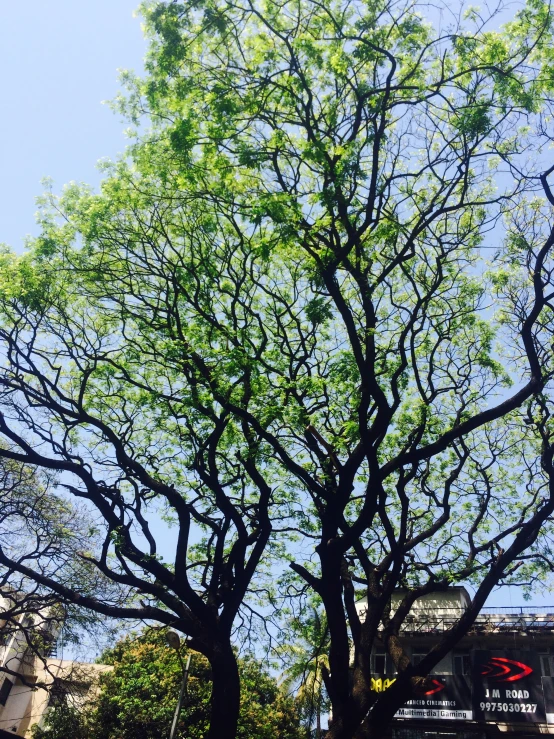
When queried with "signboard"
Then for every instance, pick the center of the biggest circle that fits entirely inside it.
(448, 697)
(507, 687)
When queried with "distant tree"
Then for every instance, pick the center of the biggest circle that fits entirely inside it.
(307, 655)
(316, 300)
(137, 699)
(62, 722)
(40, 524)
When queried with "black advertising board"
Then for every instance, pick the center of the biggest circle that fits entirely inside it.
(507, 687)
(447, 697)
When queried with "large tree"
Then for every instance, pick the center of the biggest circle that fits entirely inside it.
(314, 301)
(82, 397)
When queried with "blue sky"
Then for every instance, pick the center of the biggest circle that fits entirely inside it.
(58, 62)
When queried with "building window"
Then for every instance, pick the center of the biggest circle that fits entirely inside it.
(547, 665)
(5, 690)
(379, 664)
(462, 664)
(383, 664)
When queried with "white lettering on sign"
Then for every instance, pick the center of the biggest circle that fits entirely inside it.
(509, 707)
(517, 694)
(434, 713)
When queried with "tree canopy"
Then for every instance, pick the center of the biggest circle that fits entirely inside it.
(308, 319)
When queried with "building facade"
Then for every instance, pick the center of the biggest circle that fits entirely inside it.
(41, 684)
(499, 680)
(33, 678)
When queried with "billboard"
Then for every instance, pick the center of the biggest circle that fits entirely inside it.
(504, 687)
(507, 687)
(448, 697)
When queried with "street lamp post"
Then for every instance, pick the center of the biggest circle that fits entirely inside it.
(175, 642)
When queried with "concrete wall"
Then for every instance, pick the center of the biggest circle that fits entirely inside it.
(26, 703)
(27, 706)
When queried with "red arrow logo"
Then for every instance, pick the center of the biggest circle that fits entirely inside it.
(504, 670)
(437, 687)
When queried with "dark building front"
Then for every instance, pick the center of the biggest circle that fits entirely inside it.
(499, 680)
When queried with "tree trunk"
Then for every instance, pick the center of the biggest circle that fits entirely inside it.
(351, 724)
(375, 729)
(225, 699)
(341, 729)
(318, 717)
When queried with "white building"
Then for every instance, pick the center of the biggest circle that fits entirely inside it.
(35, 679)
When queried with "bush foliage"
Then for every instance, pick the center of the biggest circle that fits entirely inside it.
(137, 698)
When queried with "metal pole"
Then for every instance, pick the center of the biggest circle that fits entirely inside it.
(181, 696)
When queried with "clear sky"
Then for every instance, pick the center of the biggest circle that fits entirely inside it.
(58, 62)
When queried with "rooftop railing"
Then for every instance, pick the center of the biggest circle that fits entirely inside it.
(491, 619)
(517, 609)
